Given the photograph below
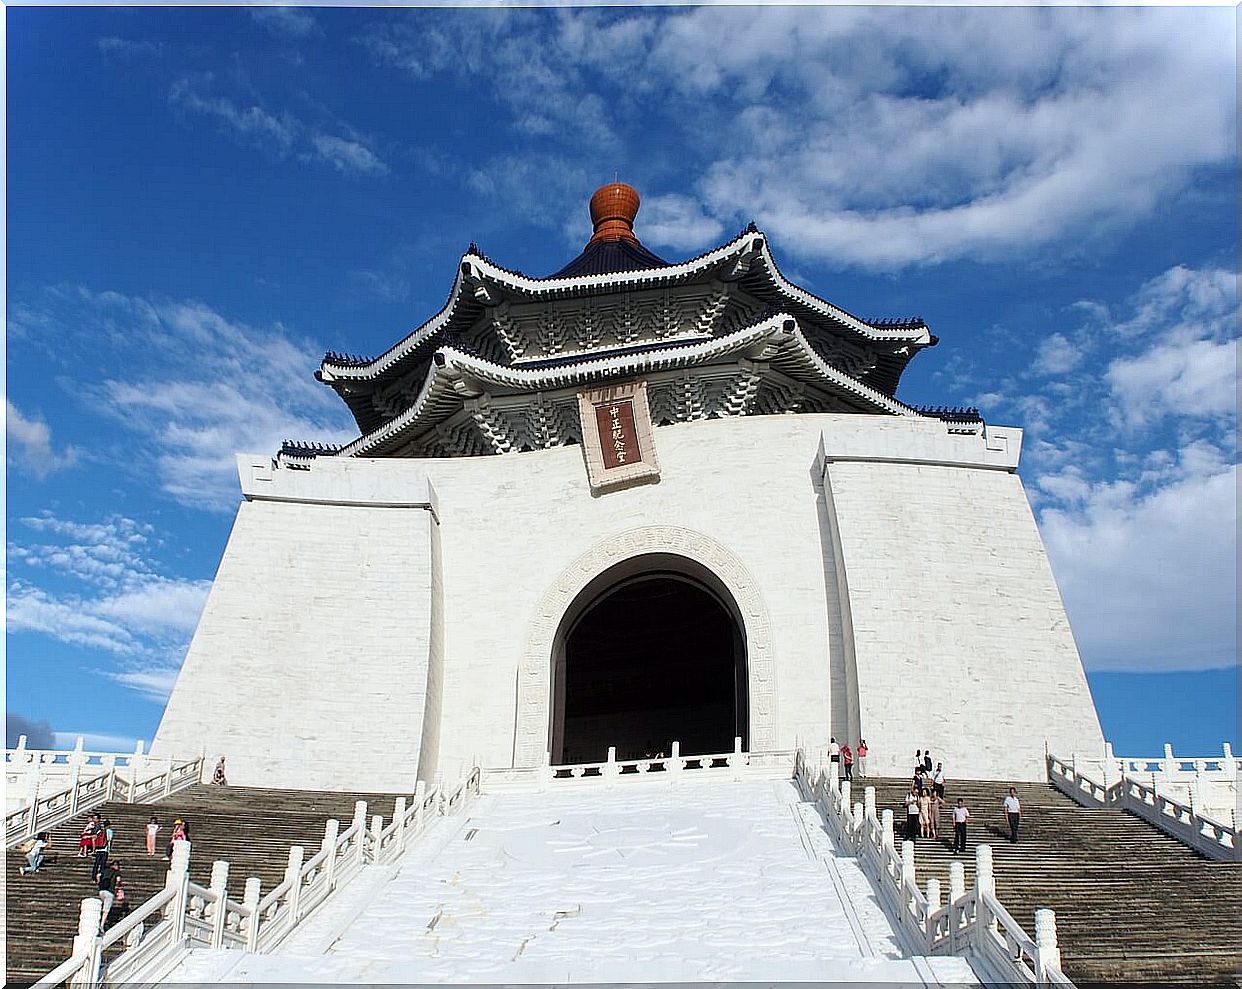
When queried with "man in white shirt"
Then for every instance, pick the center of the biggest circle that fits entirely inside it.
(1013, 811)
(938, 781)
(960, 816)
(834, 750)
(912, 814)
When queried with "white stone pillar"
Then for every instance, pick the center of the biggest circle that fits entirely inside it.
(251, 897)
(331, 832)
(907, 862)
(359, 827)
(398, 815)
(219, 904)
(933, 905)
(845, 795)
(610, 770)
(984, 883)
(293, 876)
(377, 829)
(737, 760)
(137, 768)
(673, 765)
(1048, 954)
(886, 827)
(86, 942)
(957, 890)
(1168, 764)
(420, 794)
(178, 879)
(75, 772)
(869, 801)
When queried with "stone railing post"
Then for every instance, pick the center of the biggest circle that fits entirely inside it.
(1047, 954)
(1168, 765)
(137, 768)
(218, 885)
(933, 905)
(294, 878)
(377, 829)
(737, 760)
(957, 890)
(985, 882)
(168, 777)
(610, 770)
(886, 827)
(438, 786)
(856, 823)
(34, 781)
(178, 879)
(907, 863)
(250, 898)
(86, 942)
(420, 794)
(75, 772)
(331, 832)
(869, 801)
(674, 763)
(359, 825)
(398, 816)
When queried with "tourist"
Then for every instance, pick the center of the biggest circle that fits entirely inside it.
(937, 804)
(927, 761)
(960, 816)
(109, 890)
(918, 760)
(862, 758)
(938, 780)
(917, 781)
(847, 760)
(153, 827)
(1013, 812)
(86, 841)
(179, 833)
(925, 805)
(34, 850)
(912, 814)
(108, 834)
(100, 859)
(217, 778)
(834, 751)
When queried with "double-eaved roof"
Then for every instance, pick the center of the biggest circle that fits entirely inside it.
(616, 311)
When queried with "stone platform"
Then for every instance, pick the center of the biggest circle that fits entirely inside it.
(711, 881)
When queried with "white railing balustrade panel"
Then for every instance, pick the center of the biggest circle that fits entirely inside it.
(186, 913)
(971, 922)
(85, 793)
(1144, 799)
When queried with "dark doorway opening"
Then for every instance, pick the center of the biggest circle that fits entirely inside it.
(653, 659)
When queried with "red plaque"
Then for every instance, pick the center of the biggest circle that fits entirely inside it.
(618, 438)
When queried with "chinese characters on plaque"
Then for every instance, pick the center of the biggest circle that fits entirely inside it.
(617, 436)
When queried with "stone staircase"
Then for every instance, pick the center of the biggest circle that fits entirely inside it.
(251, 828)
(1132, 903)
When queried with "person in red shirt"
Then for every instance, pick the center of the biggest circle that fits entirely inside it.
(862, 758)
(847, 760)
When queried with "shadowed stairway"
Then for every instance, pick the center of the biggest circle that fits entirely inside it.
(1132, 903)
(251, 828)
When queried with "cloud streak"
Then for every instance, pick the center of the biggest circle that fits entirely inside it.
(278, 133)
(30, 444)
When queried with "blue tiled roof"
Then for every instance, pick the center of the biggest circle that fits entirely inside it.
(608, 256)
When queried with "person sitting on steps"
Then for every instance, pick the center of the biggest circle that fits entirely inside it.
(35, 849)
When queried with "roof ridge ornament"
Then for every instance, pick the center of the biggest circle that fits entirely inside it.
(613, 208)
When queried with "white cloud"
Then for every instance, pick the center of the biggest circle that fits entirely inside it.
(1056, 355)
(280, 134)
(94, 584)
(291, 22)
(679, 222)
(1150, 579)
(879, 137)
(30, 444)
(208, 388)
(1198, 378)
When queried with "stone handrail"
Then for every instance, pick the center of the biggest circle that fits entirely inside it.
(83, 794)
(1191, 827)
(192, 914)
(735, 764)
(972, 922)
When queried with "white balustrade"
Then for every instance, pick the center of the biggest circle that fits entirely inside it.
(1150, 799)
(85, 791)
(184, 913)
(972, 922)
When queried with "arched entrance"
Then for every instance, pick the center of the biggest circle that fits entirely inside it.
(653, 650)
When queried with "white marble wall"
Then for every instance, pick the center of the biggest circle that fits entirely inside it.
(960, 638)
(934, 621)
(309, 664)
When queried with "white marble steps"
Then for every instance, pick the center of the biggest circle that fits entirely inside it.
(1132, 903)
(252, 828)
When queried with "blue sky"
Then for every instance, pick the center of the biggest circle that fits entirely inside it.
(202, 201)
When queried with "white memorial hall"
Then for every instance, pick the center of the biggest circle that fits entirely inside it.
(631, 503)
